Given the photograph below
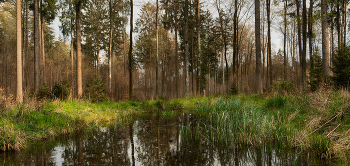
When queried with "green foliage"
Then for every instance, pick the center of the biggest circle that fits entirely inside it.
(276, 102)
(316, 73)
(321, 145)
(96, 89)
(282, 87)
(233, 89)
(44, 93)
(61, 90)
(341, 67)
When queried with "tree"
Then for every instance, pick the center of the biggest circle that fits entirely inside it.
(325, 39)
(19, 52)
(199, 47)
(130, 50)
(187, 82)
(157, 49)
(303, 56)
(341, 67)
(258, 47)
(36, 47)
(79, 59)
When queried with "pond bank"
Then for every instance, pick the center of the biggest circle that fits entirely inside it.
(318, 121)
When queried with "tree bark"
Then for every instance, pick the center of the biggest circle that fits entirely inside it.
(157, 47)
(36, 48)
(19, 91)
(311, 34)
(325, 39)
(258, 47)
(176, 54)
(79, 58)
(130, 51)
(199, 48)
(269, 50)
(303, 60)
(187, 82)
(285, 42)
(110, 47)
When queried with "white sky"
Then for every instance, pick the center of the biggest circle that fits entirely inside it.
(277, 38)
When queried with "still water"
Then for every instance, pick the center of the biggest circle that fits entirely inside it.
(150, 140)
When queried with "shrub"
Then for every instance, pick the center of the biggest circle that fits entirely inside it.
(316, 73)
(44, 93)
(61, 90)
(233, 89)
(96, 89)
(341, 67)
(282, 87)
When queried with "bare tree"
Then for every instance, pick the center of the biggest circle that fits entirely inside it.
(19, 95)
(258, 47)
(130, 50)
(325, 39)
(79, 58)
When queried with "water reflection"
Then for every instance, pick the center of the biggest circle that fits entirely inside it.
(150, 141)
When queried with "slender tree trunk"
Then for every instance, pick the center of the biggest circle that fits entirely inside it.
(325, 39)
(299, 42)
(36, 47)
(338, 24)
(199, 48)
(110, 47)
(311, 33)
(43, 53)
(19, 91)
(130, 50)
(176, 53)
(258, 47)
(285, 42)
(79, 58)
(157, 50)
(187, 82)
(124, 43)
(235, 49)
(71, 46)
(269, 51)
(303, 60)
(26, 67)
(344, 22)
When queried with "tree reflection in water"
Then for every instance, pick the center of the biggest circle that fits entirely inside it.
(150, 140)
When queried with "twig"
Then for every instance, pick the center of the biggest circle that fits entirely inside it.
(333, 130)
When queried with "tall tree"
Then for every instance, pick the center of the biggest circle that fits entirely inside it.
(285, 41)
(186, 63)
(130, 50)
(269, 50)
(79, 58)
(110, 47)
(303, 56)
(19, 95)
(325, 39)
(36, 47)
(199, 47)
(258, 47)
(157, 47)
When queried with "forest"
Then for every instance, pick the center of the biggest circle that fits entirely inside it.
(265, 74)
(179, 48)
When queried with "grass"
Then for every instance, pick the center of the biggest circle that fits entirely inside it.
(316, 122)
(23, 124)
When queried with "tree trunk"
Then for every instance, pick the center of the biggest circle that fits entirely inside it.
(199, 48)
(130, 50)
(157, 50)
(269, 50)
(110, 48)
(299, 43)
(79, 58)
(176, 54)
(43, 52)
(36, 48)
(338, 24)
(258, 47)
(285, 42)
(26, 67)
(187, 82)
(71, 46)
(19, 91)
(325, 39)
(311, 34)
(303, 60)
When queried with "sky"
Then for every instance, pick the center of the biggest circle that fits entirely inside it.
(276, 37)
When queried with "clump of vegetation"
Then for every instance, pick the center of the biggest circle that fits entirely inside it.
(282, 87)
(233, 89)
(61, 90)
(96, 89)
(341, 68)
(44, 93)
(316, 73)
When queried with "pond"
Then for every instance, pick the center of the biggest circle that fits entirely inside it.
(151, 140)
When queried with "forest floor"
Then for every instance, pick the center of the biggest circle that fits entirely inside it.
(318, 121)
